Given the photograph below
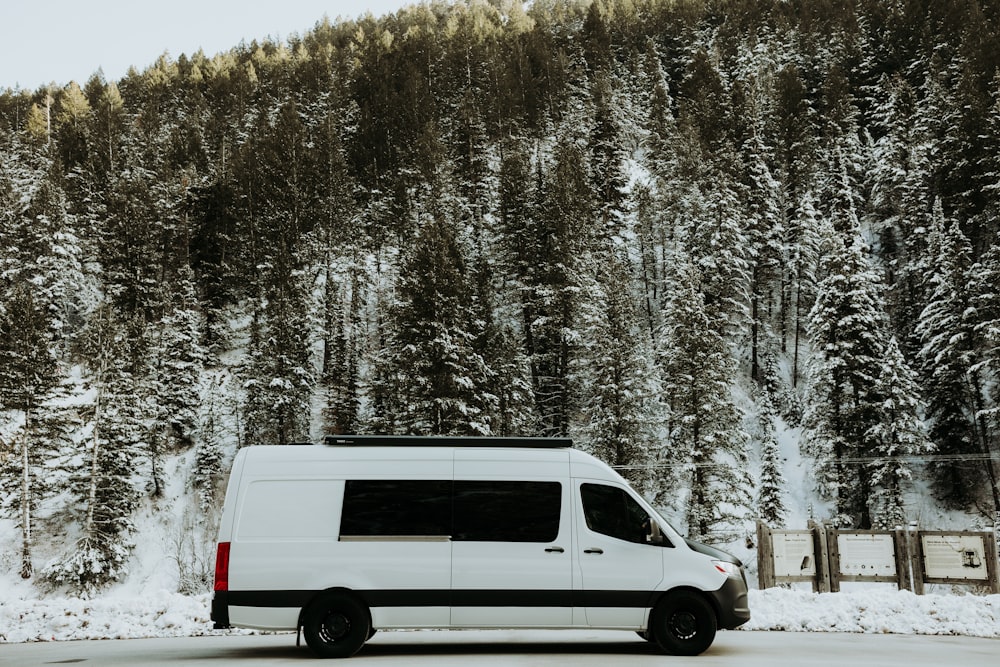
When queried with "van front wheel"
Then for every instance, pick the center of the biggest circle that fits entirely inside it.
(683, 623)
(335, 625)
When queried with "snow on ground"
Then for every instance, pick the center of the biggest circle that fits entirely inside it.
(870, 610)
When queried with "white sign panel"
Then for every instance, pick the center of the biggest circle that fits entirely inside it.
(793, 554)
(954, 557)
(867, 555)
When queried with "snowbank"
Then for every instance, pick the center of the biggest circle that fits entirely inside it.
(161, 614)
(875, 610)
(165, 614)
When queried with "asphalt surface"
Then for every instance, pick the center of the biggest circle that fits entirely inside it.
(542, 648)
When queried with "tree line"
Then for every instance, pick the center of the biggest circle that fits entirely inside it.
(672, 230)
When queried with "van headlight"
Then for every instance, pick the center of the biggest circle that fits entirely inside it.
(727, 568)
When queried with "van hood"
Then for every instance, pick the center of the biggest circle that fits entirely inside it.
(717, 554)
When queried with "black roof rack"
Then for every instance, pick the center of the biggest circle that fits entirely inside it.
(445, 441)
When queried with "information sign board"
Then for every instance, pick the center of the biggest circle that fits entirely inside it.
(867, 554)
(954, 557)
(793, 554)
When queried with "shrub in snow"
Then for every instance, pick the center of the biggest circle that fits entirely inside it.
(90, 566)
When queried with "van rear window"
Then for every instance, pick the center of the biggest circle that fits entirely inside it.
(401, 508)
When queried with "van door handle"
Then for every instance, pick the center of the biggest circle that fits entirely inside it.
(593, 551)
(554, 550)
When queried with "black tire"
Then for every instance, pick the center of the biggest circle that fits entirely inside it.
(335, 625)
(644, 634)
(683, 623)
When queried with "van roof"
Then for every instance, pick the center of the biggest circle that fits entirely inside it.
(445, 441)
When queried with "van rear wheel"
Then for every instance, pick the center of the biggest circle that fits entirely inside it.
(683, 623)
(335, 625)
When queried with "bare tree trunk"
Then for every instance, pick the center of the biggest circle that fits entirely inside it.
(796, 328)
(88, 526)
(26, 568)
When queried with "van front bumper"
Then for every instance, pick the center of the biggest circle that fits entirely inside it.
(731, 603)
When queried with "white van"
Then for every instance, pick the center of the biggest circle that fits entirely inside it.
(369, 532)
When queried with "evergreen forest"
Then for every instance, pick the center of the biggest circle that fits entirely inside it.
(682, 232)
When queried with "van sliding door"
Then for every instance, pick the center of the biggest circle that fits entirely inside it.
(395, 533)
(511, 549)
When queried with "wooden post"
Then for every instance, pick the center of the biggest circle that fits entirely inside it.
(991, 560)
(899, 540)
(765, 556)
(916, 559)
(822, 582)
(833, 549)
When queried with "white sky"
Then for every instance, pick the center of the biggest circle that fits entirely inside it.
(42, 41)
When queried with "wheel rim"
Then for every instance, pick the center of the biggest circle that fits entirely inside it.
(683, 625)
(335, 626)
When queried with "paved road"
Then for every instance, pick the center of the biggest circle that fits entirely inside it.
(502, 648)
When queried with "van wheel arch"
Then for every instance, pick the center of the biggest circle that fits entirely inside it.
(336, 623)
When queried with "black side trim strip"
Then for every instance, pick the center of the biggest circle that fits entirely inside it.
(481, 598)
(456, 598)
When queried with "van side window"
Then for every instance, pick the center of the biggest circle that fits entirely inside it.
(493, 511)
(611, 511)
(395, 508)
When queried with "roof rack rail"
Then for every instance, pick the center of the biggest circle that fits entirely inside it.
(445, 441)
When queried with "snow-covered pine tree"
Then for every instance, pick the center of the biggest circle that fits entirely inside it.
(181, 361)
(900, 436)
(771, 490)
(847, 327)
(802, 254)
(607, 158)
(765, 232)
(660, 126)
(620, 390)
(278, 375)
(41, 287)
(654, 201)
(706, 435)
(986, 299)
(339, 376)
(338, 237)
(206, 475)
(716, 233)
(438, 378)
(27, 375)
(508, 382)
(104, 484)
(558, 227)
(953, 385)
(985, 285)
(900, 203)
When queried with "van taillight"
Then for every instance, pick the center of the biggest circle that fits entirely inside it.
(222, 567)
